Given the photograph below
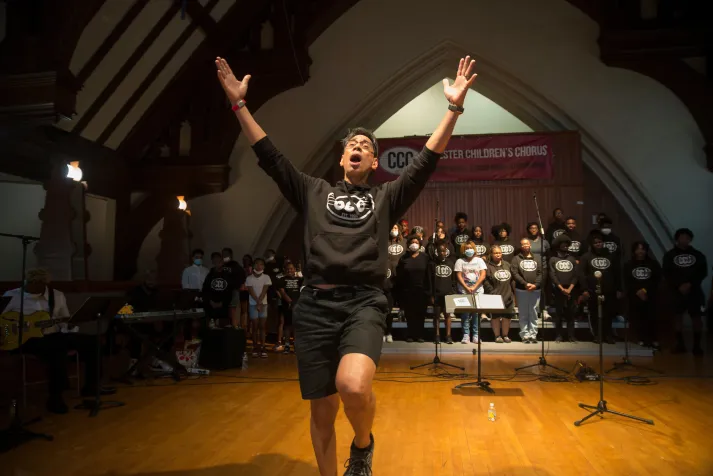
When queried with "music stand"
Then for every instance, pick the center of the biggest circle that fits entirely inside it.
(98, 309)
(460, 303)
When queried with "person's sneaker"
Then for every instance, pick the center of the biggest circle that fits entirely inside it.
(389, 339)
(263, 354)
(573, 340)
(475, 340)
(546, 315)
(642, 343)
(359, 462)
(287, 350)
(279, 348)
(558, 339)
(499, 340)
(533, 340)
(256, 353)
(409, 340)
(421, 341)
(507, 340)
(525, 340)
(383, 339)
(465, 340)
(655, 345)
(449, 340)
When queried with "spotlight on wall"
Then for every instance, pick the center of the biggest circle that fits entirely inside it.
(182, 205)
(74, 172)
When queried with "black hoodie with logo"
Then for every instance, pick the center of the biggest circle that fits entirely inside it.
(460, 237)
(577, 248)
(526, 271)
(396, 249)
(685, 266)
(642, 274)
(442, 276)
(563, 270)
(482, 247)
(497, 281)
(219, 286)
(346, 226)
(593, 261)
(554, 230)
(611, 242)
(507, 247)
(432, 248)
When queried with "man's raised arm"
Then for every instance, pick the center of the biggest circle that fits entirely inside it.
(292, 183)
(406, 188)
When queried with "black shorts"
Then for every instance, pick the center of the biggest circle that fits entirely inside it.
(244, 296)
(440, 303)
(690, 302)
(286, 312)
(330, 324)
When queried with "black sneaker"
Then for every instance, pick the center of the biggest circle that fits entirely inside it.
(611, 340)
(449, 340)
(409, 340)
(572, 339)
(421, 341)
(558, 340)
(359, 462)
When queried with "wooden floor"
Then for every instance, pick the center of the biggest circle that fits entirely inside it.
(253, 423)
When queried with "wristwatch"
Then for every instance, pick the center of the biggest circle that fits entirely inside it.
(454, 108)
(239, 105)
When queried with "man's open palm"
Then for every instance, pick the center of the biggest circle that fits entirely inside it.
(236, 90)
(455, 93)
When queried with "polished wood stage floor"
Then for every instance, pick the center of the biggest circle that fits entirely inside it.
(253, 423)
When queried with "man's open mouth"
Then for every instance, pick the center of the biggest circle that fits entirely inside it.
(355, 159)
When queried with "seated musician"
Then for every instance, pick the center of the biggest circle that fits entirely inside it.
(144, 297)
(58, 340)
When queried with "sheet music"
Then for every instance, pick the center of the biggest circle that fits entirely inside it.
(462, 302)
(489, 301)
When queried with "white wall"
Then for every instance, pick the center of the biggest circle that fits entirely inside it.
(547, 50)
(20, 203)
(149, 252)
(100, 235)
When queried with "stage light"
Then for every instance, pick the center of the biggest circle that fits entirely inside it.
(74, 172)
(182, 205)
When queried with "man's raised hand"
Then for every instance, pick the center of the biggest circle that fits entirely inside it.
(455, 93)
(234, 89)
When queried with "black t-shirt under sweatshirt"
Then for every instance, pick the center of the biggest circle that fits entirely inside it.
(507, 247)
(346, 227)
(412, 274)
(442, 276)
(218, 286)
(526, 270)
(593, 261)
(497, 281)
(642, 274)
(684, 266)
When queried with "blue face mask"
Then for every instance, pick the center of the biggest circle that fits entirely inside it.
(470, 252)
(198, 261)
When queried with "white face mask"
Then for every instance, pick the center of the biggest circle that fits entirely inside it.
(606, 231)
(226, 259)
(257, 273)
(394, 233)
(414, 247)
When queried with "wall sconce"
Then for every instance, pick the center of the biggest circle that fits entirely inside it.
(74, 172)
(182, 205)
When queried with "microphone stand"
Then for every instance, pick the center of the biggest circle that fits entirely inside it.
(601, 408)
(16, 434)
(436, 319)
(542, 362)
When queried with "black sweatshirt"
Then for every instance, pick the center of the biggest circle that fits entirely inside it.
(563, 271)
(642, 274)
(497, 281)
(238, 272)
(507, 248)
(442, 276)
(577, 248)
(684, 266)
(346, 227)
(218, 286)
(482, 247)
(396, 250)
(412, 274)
(432, 248)
(611, 243)
(554, 230)
(526, 270)
(460, 237)
(603, 261)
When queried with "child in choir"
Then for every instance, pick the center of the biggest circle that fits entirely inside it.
(564, 276)
(498, 282)
(470, 273)
(442, 277)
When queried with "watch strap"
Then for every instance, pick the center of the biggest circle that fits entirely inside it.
(453, 107)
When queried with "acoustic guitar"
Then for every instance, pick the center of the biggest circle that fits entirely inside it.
(33, 325)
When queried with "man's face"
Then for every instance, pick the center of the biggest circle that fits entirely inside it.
(259, 266)
(598, 243)
(525, 246)
(462, 224)
(198, 256)
(532, 229)
(559, 215)
(35, 287)
(571, 224)
(358, 158)
(564, 247)
(684, 241)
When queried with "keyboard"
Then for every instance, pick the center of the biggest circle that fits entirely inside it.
(155, 316)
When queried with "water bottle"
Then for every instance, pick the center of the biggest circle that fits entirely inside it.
(492, 415)
(245, 361)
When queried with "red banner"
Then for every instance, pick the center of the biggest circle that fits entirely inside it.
(495, 157)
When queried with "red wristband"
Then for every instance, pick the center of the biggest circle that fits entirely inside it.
(240, 104)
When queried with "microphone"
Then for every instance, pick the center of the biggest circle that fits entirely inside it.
(598, 274)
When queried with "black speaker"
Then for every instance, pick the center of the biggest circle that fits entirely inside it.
(223, 349)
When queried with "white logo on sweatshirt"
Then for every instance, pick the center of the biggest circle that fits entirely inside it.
(611, 246)
(480, 249)
(219, 284)
(557, 233)
(350, 208)
(574, 247)
(600, 263)
(443, 271)
(507, 249)
(684, 261)
(396, 249)
(460, 239)
(642, 273)
(564, 266)
(502, 275)
(528, 265)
